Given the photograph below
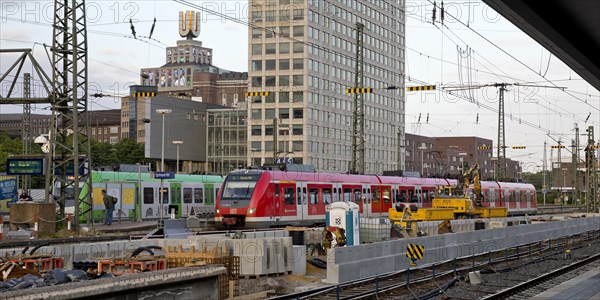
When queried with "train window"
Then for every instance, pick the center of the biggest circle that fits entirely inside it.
(198, 195)
(277, 190)
(375, 195)
(299, 196)
(431, 196)
(313, 195)
(347, 195)
(413, 198)
(327, 196)
(402, 196)
(174, 195)
(165, 196)
(187, 195)
(148, 195)
(288, 194)
(357, 199)
(386, 195)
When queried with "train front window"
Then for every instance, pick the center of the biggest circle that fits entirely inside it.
(239, 187)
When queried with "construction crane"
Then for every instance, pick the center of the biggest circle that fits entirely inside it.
(501, 151)
(69, 158)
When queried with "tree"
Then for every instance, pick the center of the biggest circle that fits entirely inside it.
(8, 147)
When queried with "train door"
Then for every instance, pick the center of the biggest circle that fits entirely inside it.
(316, 206)
(428, 193)
(174, 205)
(301, 201)
(524, 203)
(352, 193)
(386, 199)
(287, 201)
(150, 200)
(366, 199)
(187, 199)
(209, 199)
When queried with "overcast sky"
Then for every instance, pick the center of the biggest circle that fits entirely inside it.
(489, 50)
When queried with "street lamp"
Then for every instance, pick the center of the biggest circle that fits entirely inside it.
(163, 112)
(422, 148)
(177, 143)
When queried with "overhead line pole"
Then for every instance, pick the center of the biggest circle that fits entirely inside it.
(358, 121)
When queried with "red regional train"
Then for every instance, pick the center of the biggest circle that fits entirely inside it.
(263, 198)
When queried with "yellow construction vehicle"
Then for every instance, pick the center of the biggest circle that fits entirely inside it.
(450, 202)
(329, 232)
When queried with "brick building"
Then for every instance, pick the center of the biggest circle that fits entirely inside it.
(104, 124)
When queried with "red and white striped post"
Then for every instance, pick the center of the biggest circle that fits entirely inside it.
(69, 222)
(35, 225)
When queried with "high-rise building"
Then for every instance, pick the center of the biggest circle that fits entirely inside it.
(303, 53)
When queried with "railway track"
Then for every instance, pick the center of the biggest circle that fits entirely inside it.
(433, 281)
(560, 209)
(537, 285)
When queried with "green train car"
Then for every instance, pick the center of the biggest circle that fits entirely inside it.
(138, 195)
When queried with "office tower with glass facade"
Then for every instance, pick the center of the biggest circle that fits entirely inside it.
(303, 53)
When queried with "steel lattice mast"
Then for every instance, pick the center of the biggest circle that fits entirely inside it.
(358, 126)
(69, 138)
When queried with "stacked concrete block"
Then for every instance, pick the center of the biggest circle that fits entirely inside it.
(350, 263)
(297, 260)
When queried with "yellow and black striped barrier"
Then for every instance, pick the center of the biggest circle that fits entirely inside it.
(556, 147)
(484, 147)
(143, 94)
(420, 88)
(256, 94)
(519, 147)
(359, 91)
(414, 252)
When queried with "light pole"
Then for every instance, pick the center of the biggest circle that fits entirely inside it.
(163, 112)
(177, 143)
(422, 148)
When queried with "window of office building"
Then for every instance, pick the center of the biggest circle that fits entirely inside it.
(284, 64)
(284, 97)
(298, 113)
(257, 114)
(298, 47)
(270, 98)
(270, 48)
(297, 97)
(298, 64)
(257, 81)
(270, 15)
(269, 113)
(298, 80)
(298, 31)
(256, 65)
(284, 31)
(257, 14)
(269, 130)
(270, 64)
(284, 80)
(284, 15)
(298, 14)
(257, 33)
(256, 49)
(297, 129)
(284, 48)
(270, 81)
(284, 113)
(297, 146)
(256, 130)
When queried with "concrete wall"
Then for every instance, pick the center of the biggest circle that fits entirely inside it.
(350, 263)
(182, 283)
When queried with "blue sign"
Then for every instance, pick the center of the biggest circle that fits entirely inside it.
(164, 175)
(8, 188)
(25, 166)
